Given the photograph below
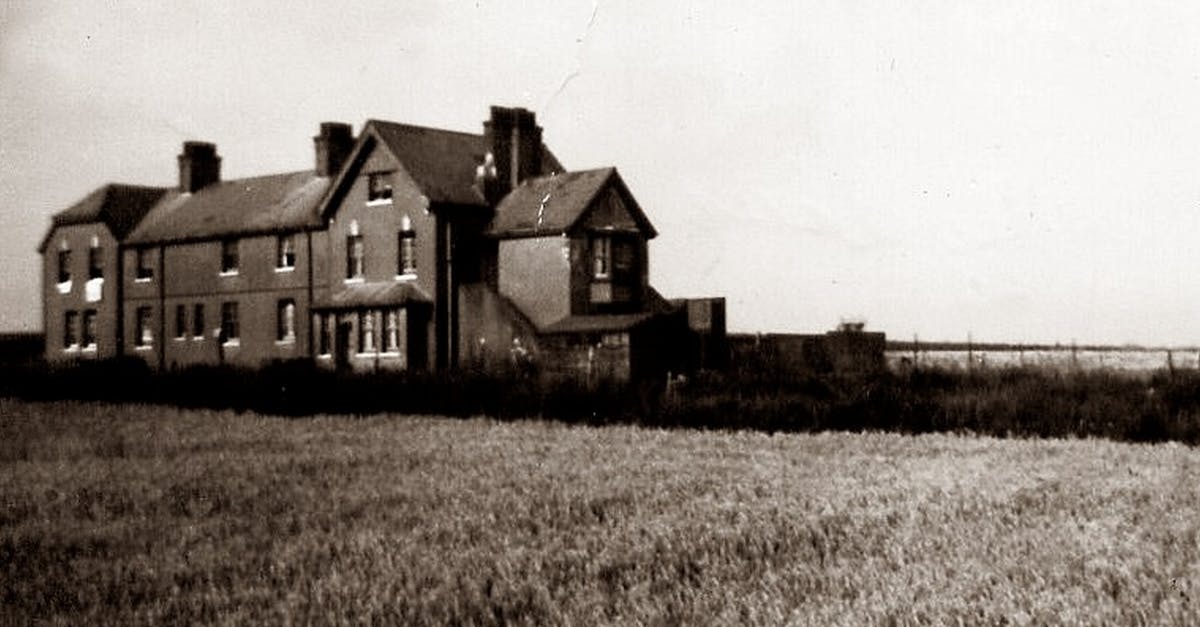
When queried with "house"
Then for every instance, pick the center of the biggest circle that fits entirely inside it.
(404, 248)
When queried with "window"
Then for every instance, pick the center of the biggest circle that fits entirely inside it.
(89, 329)
(95, 262)
(64, 265)
(145, 271)
(70, 340)
(198, 322)
(407, 263)
(285, 321)
(323, 338)
(354, 256)
(229, 322)
(229, 256)
(601, 257)
(366, 331)
(286, 257)
(379, 187)
(180, 322)
(392, 332)
(145, 335)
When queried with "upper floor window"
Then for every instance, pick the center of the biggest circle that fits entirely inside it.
(145, 269)
(95, 262)
(230, 330)
(354, 256)
(144, 335)
(70, 340)
(379, 187)
(229, 256)
(407, 262)
(180, 322)
(89, 329)
(64, 265)
(285, 321)
(285, 258)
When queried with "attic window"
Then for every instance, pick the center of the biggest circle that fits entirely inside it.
(379, 187)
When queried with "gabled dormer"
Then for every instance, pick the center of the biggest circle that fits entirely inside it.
(572, 244)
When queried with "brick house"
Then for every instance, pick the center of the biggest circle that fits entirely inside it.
(405, 248)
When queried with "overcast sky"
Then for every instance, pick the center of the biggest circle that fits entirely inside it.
(1017, 171)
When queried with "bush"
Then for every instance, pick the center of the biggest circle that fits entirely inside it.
(1020, 402)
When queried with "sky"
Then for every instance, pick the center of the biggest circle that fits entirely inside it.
(1018, 171)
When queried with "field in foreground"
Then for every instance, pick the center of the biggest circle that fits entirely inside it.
(123, 514)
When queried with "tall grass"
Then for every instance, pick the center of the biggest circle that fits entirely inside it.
(119, 514)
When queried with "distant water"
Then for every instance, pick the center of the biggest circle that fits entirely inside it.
(1064, 359)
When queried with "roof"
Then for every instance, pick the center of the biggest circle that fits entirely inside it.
(261, 204)
(118, 206)
(441, 162)
(374, 294)
(598, 323)
(548, 204)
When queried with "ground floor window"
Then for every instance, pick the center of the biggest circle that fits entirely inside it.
(230, 331)
(70, 340)
(324, 344)
(89, 329)
(145, 333)
(392, 331)
(198, 322)
(366, 331)
(285, 320)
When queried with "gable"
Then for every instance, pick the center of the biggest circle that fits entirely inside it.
(609, 211)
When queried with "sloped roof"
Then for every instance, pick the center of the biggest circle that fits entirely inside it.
(598, 323)
(548, 204)
(261, 204)
(441, 162)
(374, 294)
(118, 206)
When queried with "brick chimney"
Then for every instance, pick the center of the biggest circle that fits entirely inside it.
(199, 166)
(515, 141)
(333, 145)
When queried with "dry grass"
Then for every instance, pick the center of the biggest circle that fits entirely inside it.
(121, 514)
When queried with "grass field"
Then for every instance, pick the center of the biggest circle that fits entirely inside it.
(123, 514)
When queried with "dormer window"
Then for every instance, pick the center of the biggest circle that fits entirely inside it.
(229, 257)
(602, 257)
(286, 253)
(615, 275)
(379, 187)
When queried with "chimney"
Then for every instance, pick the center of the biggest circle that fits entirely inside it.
(333, 145)
(199, 166)
(515, 141)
